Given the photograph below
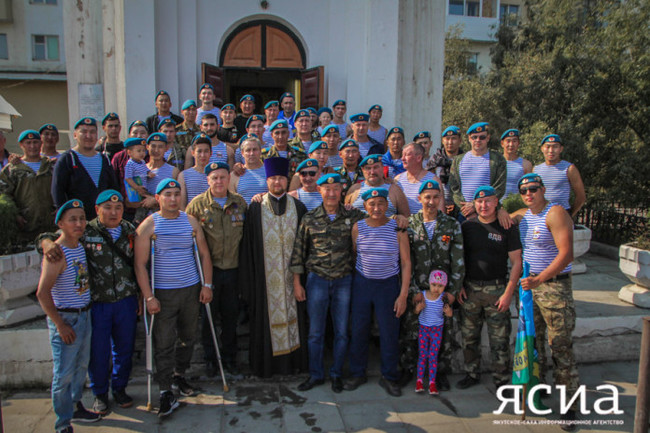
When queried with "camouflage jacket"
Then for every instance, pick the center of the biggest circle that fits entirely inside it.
(498, 175)
(184, 135)
(444, 252)
(297, 142)
(294, 155)
(347, 182)
(324, 247)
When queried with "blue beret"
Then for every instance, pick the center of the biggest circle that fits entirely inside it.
(395, 130)
(162, 92)
(320, 144)
(134, 141)
(47, 127)
(374, 192)
(324, 110)
(302, 113)
(276, 166)
(348, 143)
(108, 195)
(338, 102)
(70, 204)
(422, 134)
(311, 110)
(90, 121)
(187, 104)
(329, 179)
(359, 117)
(286, 95)
(157, 136)
(110, 116)
(271, 104)
(137, 123)
(429, 184)
(484, 191)
(370, 159)
(451, 130)
(228, 107)
(247, 136)
(510, 133)
(253, 118)
(375, 107)
(247, 98)
(216, 166)
(330, 128)
(307, 163)
(478, 127)
(206, 86)
(166, 122)
(552, 138)
(202, 138)
(530, 177)
(280, 123)
(29, 134)
(167, 183)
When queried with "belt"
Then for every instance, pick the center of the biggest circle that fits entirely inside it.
(75, 310)
(483, 283)
(558, 277)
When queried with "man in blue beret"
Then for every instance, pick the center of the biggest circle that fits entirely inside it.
(350, 171)
(516, 165)
(163, 111)
(392, 159)
(227, 131)
(367, 144)
(414, 176)
(208, 102)
(278, 340)
(220, 151)
(82, 172)
(440, 163)
(247, 107)
(288, 109)
(271, 113)
(186, 131)
(331, 136)
(110, 143)
(50, 138)
(375, 130)
(280, 133)
(560, 177)
(487, 290)
(305, 134)
(423, 138)
(339, 108)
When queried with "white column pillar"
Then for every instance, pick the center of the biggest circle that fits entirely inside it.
(114, 60)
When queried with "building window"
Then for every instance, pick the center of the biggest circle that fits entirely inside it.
(509, 14)
(472, 63)
(473, 8)
(43, 2)
(456, 7)
(4, 51)
(45, 47)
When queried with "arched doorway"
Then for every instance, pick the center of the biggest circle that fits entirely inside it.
(264, 58)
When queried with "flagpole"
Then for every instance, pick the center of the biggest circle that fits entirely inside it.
(523, 404)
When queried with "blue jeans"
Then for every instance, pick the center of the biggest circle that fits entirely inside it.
(321, 294)
(70, 365)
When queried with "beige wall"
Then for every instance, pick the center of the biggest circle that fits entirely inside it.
(39, 102)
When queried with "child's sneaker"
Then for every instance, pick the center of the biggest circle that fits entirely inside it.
(419, 387)
(432, 388)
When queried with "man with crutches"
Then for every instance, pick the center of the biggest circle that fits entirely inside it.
(175, 292)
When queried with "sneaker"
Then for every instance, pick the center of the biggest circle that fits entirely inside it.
(180, 384)
(101, 404)
(122, 399)
(419, 387)
(168, 403)
(432, 388)
(84, 415)
(68, 429)
(467, 381)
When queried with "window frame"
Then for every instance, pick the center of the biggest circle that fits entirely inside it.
(47, 55)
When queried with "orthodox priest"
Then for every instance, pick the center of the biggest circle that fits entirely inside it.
(278, 322)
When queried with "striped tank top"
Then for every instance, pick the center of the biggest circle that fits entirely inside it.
(239, 157)
(556, 182)
(162, 172)
(195, 183)
(252, 182)
(311, 200)
(358, 203)
(364, 148)
(379, 134)
(377, 250)
(174, 265)
(474, 172)
(343, 129)
(411, 190)
(537, 241)
(432, 313)
(515, 171)
(219, 153)
(266, 136)
(35, 166)
(72, 287)
(92, 164)
(334, 161)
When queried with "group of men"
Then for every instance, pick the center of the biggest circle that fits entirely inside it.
(288, 267)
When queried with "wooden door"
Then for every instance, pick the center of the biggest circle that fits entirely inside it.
(311, 87)
(214, 75)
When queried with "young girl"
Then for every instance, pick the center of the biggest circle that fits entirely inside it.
(431, 306)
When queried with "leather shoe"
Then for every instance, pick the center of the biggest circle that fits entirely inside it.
(391, 387)
(310, 383)
(337, 385)
(442, 383)
(467, 381)
(354, 382)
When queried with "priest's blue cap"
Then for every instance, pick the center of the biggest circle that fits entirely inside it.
(359, 117)
(247, 97)
(348, 143)
(329, 179)
(286, 95)
(422, 134)
(395, 130)
(451, 130)
(530, 177)
(166, 184)
(110, 116)
(202, 138)
(165, 122)
(338, 102)
(376, 107)
(253, 118)
(429, 184)
(75, 203)
(228, 107)
(109, 195)
(324, 110)
(484, 191)
(510, 133)
(215, 166)
(89, 121)
(478, 127)
(206, 86)
(48, 127)
(552, 138)
(302, 113)
(374, 192)
(280, 123)
(320, 144)
(134, 141)
(276, 166)
(271, 104)
(187, 104)
(330, 128)
(370, 159)
(307, 163)
(157, 136)
(29, 134)
(137, 123)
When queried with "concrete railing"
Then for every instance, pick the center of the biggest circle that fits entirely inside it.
(19, 274)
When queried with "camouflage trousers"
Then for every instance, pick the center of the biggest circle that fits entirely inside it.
(480, 307)
(408, 341)
(554, 314)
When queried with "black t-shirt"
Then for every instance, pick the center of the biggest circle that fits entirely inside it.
(228, 135)
(240, 123)
(486, 249)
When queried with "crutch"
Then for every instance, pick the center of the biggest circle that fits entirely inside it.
(148, 327)
(208, 312)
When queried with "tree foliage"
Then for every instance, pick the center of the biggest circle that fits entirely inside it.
(577, 68)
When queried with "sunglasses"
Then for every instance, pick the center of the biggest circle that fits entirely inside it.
(478, 137)
(308, 173)
(532, 189)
